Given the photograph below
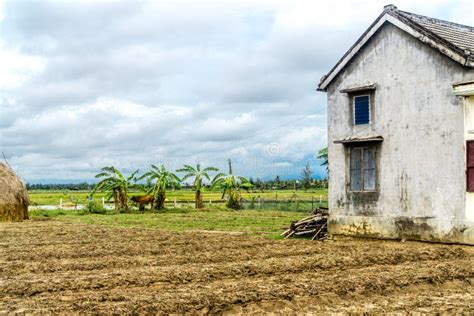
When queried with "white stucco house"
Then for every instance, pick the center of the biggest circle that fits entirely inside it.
(401, 131)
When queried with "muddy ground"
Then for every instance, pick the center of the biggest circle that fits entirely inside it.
(51, 266)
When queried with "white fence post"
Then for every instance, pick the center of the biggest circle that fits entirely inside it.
(61, 203)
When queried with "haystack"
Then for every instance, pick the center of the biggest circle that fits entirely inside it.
(13, 196)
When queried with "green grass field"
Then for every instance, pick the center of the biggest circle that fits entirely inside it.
(264, 223)
(42, 197)
(277, 210)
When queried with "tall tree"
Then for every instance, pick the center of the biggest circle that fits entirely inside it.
(198, 175)
(230, 185)
(306, 176)
(160, 180)
(116, 185)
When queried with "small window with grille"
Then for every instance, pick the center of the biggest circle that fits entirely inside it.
(362, 168)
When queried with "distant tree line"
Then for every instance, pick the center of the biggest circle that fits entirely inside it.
(278, 184)
(258, 184)
(83, 186)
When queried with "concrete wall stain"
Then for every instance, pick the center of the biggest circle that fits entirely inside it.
(403, 192)
(410, 228)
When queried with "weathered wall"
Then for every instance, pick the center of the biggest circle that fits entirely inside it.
(421, 160)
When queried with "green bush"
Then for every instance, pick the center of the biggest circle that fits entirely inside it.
(93, 207)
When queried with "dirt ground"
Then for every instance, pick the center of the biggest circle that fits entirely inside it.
(51, 266)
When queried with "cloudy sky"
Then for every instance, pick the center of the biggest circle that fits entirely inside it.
(90, 84)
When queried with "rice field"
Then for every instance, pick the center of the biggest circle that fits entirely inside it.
(42, 197)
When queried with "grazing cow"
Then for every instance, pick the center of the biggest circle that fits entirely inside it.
(142, 201)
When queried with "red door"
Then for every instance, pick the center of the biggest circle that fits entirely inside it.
(470, 166)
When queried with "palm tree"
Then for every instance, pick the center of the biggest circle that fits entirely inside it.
(323, 154)
(198, 175)
(161, 179)
(230, 185)
(116, 185)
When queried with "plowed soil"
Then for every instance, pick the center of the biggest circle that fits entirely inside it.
(56, 267)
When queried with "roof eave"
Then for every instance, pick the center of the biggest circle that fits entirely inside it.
(404, 24)
(433, 40)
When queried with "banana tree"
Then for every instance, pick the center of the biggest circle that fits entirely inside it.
(230, 185)
(116, 185)
(198, 175)
(161, 179)
(323, 155)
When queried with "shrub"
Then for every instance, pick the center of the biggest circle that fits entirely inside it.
(94, 207)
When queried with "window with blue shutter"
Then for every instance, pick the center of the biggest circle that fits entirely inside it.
(361, 109)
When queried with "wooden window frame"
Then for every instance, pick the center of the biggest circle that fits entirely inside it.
(362, 169)
(369, 96)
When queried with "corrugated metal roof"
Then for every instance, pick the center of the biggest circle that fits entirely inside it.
(459, 35)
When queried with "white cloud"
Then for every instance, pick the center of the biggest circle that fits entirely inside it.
(86, 84)
(17, 68)
(2, 10)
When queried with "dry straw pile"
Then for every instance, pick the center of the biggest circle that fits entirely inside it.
(13, 196)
